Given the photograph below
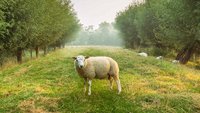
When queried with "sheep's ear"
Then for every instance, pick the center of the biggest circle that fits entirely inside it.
(74, 58)
(87, 57)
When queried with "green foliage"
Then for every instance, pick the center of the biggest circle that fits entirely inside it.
(51, 84)
(28, 24)
(164, 24)
(126, 23)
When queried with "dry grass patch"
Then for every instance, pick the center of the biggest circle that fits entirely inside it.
(21, 71)
(28, 106)
(39, 105)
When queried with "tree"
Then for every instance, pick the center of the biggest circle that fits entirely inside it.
(32, 24)
(164, 24)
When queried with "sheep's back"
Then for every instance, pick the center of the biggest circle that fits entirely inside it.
(103, 66)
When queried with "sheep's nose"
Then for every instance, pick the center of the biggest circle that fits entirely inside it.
(81, 66)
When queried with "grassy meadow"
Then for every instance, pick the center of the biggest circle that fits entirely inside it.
(51, 84)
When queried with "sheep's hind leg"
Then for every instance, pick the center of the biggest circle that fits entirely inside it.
(111, 83)
(118, 84)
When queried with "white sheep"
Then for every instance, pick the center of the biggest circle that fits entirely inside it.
(175, 61)
(97, 68)
(159, 57)
(143, 54)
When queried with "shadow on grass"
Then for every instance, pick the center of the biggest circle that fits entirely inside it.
(103, 101)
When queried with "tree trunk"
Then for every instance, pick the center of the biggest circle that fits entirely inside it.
(194, 57)
(31, 53)
(37, 51)
(60, 46)
(185, 54)
(23, 53)
(19, 55)
(63, 45)
(45, 50)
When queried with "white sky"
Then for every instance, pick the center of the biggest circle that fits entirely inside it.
(93, 12)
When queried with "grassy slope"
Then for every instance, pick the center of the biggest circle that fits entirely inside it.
(50, 84)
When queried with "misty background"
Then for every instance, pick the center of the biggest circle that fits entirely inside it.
(98, 24)
(105, 34)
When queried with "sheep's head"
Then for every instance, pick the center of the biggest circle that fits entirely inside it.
(80, 61)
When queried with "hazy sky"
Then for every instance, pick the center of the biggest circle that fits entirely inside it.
(93, 12)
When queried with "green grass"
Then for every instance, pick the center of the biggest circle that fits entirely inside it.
(51, 84)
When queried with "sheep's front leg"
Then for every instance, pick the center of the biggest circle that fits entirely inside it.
(85, 85)
(89, 86)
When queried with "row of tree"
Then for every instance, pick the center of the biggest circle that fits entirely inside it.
(34, 24)
(164, 24)
(105, 34)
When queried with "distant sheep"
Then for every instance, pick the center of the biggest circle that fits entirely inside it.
(175, 61)
(143, 54)
(159, 57)
(97, 68)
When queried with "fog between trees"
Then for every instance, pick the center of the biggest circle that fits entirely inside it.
(105, 34)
